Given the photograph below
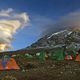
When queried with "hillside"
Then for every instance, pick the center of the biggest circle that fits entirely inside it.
(68, 38)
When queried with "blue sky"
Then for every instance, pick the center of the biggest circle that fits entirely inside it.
(41, 13)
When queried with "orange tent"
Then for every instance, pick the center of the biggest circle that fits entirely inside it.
(78, 58)
(11, 64)
(68, 57)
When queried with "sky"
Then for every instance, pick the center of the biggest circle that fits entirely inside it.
(41, 13)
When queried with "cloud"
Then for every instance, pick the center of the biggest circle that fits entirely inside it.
(71, 20)
(10, 21)
(6, 12)
(39, 23)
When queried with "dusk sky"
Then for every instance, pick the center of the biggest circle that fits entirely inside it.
(41, 13)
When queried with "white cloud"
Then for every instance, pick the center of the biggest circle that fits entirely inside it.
(10, 21)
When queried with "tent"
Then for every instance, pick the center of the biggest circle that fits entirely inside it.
(28, 56)
(11, 64)
(41, 55)
(68, 57)
(57, 55)
(77, 57)
(71, 52)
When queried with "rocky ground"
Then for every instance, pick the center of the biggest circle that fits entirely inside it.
(44, 70)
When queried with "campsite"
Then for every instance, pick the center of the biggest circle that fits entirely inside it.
(39, 39)
(42, 66)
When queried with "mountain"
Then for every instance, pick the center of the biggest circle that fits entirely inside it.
(69, 38)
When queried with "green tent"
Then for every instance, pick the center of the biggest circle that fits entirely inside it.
(57, 55)
(41, 55)
(28, 56)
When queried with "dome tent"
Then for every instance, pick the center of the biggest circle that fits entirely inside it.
(57, 54)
